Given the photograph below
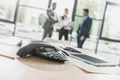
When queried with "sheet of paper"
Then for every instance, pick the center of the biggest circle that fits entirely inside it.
(94, 69)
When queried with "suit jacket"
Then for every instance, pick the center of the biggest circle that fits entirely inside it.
(48, 25)
(84, 29)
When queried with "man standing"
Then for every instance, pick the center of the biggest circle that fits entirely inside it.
(84, 28)
(48, 25)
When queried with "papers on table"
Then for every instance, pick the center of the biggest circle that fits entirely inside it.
(94, 69)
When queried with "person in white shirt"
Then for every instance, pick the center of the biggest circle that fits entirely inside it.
(64, 22)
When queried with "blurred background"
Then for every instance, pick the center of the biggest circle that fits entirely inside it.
(24, 18)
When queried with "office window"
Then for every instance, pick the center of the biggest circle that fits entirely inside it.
(43, 4)
(111, 28)
(96, 7)
(62, 4)
(31, 17)
(7, 9)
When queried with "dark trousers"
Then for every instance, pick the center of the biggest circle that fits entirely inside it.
(47, 34)
(63, 32)
(79, 42)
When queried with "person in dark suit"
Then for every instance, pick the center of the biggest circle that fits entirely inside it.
(84, 28)
(52, 19)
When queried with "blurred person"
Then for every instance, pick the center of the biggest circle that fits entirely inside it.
(64, 22)
(52, 19)
(84, 28)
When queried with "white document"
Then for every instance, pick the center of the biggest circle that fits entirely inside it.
(94, 69)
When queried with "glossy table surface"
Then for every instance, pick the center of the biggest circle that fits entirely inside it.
(40, 69)
(34, 68)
